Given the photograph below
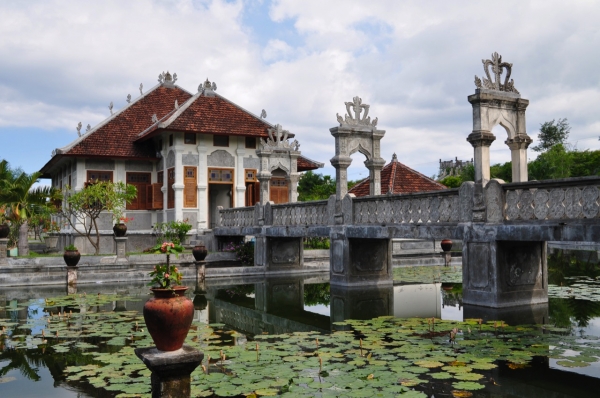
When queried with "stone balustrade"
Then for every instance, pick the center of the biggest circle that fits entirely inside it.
(567, 199)
(237, 217)
(422, 208)
(300, 213)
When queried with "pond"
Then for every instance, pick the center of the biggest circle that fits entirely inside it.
(274, 337)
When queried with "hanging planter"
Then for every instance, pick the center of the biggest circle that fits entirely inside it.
(71, 256)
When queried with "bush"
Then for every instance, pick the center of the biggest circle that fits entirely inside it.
(244, 252)
(316, 243)
(174, 231)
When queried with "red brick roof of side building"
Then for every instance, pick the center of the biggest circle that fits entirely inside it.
(306, 164)
(399, 178)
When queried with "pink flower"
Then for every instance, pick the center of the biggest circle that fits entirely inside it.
(166, 275)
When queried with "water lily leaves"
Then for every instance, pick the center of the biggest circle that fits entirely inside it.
(429, 364)
(467, 385)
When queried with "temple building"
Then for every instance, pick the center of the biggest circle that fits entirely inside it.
(398, 178)
(186, 153)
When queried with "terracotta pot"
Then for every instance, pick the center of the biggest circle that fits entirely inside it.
(4, 231)
(120, 230)
(168, 316)
(199, 252)
(447, 286)
(71, 257)
(446, 245)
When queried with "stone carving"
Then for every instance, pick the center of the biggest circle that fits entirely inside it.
(188, 159)
(88, 128)
(237, 217)
(553, 203)
(358, 107)
(221, 158)
(167, 78)
(497, 69)
(141, 88)
(128, 98)
(171, 159)
(263, 114)
(79, 129)
(300, 214)
(110, 107)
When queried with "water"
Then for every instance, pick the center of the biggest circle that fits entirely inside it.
(284, 305)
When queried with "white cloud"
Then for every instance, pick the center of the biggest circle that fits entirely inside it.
(413, 62)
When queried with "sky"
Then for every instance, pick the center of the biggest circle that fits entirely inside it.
(413, 62)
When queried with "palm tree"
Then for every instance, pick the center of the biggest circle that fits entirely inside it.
(22, 200)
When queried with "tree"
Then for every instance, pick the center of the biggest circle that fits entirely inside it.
(22, 200)
(554, 163)
(314, 186)
(451, 181)
(83, 208)
(552, 133)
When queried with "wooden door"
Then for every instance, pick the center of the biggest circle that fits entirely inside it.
(190, 190)
(279, 191)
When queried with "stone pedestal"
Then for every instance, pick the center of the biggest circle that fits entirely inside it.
(72, 275)
(3, 246)
(279, 253)
(121, 244)
(501, 274)
(170, 370)
(359, 262)
(447, 256)
(200, 271)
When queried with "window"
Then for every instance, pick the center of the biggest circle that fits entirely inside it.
(154, 195)
(141, 181)
(250, 142)
(220, 175)
(190, 187)
(170, 139)
(93, 176)
(220, 140)
(250, 175)
(189, 138)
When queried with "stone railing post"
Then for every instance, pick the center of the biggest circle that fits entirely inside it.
(259, 215)
(218, 220)
(347, 209)
(465, 198)
(268, 213)
(494, 202)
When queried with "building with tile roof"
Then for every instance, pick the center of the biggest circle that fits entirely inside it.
(398, 178)
(186, 153)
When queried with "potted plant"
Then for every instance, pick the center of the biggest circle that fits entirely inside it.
(120, 228)
(169, 314)
(71, 256)
(51, 240)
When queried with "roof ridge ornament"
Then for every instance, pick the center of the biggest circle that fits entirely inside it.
(176, 104)
(88, 128)
(110, 108)
(154, 118)
(141, 87)
(207, 88)
(497, 70)
(128, 98)
(358, 107)
(278, 138)
(263, 114)
(79, 129)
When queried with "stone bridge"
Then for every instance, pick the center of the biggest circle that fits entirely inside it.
(504, 227)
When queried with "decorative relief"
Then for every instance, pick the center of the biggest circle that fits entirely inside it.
(553, 204)
(497, 69)
(358, 107)
(252, 163)
(221, 158)
(189, 159)
(300, 214)
(237, 217)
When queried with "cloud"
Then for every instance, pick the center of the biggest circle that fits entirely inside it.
(413, 62)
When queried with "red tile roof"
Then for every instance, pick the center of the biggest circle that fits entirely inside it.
(306, 164)
(399, 178)
(213, 115)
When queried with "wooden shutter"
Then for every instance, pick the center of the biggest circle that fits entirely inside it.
(170, 190)
(190, 187)
(279, 191)
(157, 196)
(141, 181)
(149, 197)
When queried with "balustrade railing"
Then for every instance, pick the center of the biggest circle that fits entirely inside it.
(566, 199)
(300, 213)
(237, 217)
(427, 207)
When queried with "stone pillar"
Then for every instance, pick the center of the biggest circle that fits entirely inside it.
(3, 247)
(121, 250)
(202, 187)
(375, 166)
(359, 261)
(518, 152)
(72, 276)
(178, 185)
(240, 178)
(341, 164)
(264, 175)
(294, 176)
(170, 370)
(200, 271)
(481, 141)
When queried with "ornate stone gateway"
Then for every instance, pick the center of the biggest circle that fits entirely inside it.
(496, 103)
(360, 134)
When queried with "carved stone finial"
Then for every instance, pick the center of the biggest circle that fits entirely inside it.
(110, 107)
(263, 114)
(214, 86)
(200, 88)
(356, 107)
(53, 152)
(161, 78)
(79, 129)
(168, 78)
(88, 128)
(174, 77)
(141, 87)
(154, 118)
(497, 69)
(208, 88)
(278, 137)
(394, 157)
(129, 98)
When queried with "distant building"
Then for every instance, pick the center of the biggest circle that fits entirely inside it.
(452, 167)
(398, 178)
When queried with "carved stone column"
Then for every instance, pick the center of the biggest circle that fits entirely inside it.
(518, 151)
(481, 141)
(341, 164)
(375, 167)
(264, 174)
